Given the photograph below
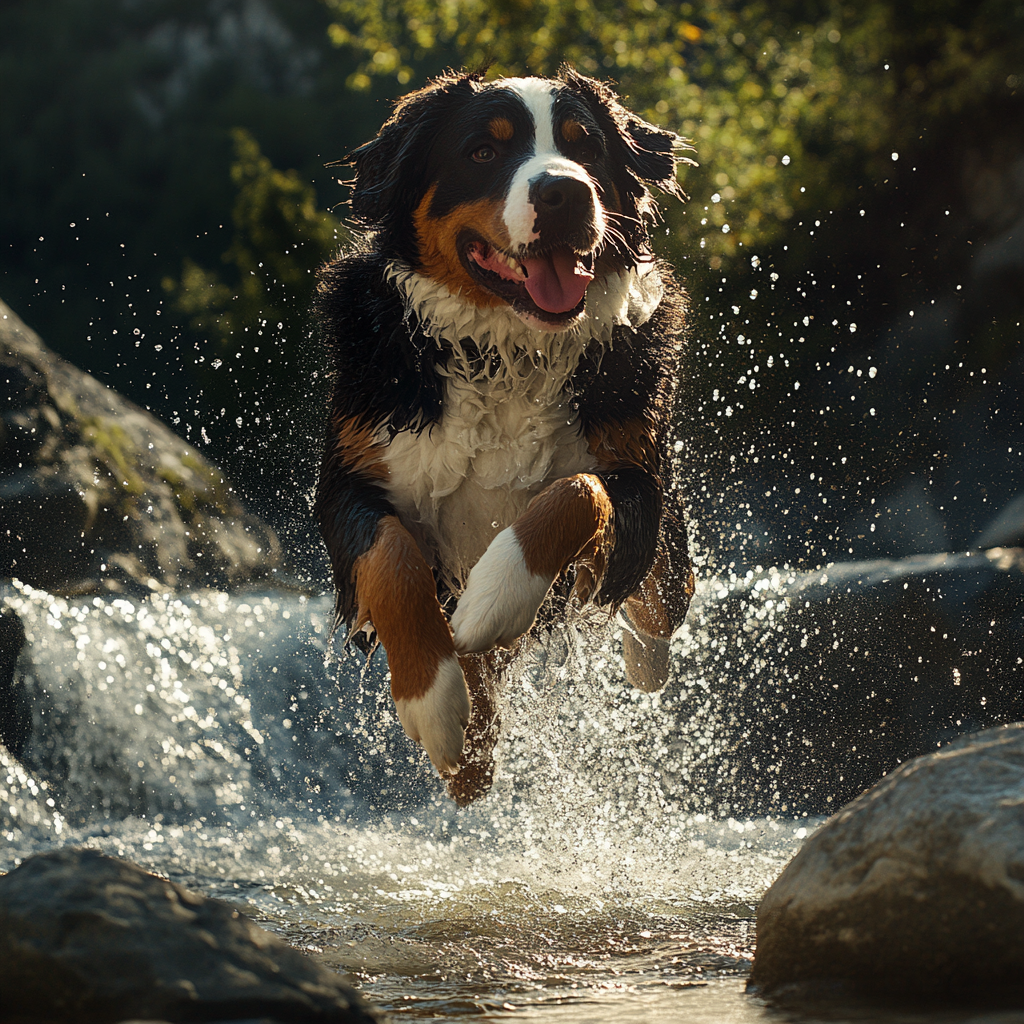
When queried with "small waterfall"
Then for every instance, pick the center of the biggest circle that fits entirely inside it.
(226, 712)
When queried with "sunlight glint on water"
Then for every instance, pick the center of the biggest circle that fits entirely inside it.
(202, 736)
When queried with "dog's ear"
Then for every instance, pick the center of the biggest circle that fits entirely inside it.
(389, 168)
(653, 153)
(649, 152)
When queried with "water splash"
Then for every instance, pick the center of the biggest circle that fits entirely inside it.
(211, 737)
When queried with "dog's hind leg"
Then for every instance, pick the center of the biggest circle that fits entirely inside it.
(476, 773)
(653, 614)
(646, 658)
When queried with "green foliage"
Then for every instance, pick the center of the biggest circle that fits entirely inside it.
(280, 239)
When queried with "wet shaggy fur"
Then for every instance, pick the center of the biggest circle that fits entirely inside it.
(505, 359)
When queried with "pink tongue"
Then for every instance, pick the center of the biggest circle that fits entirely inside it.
(557, 280)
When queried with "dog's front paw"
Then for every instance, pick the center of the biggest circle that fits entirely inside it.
(439, 717)
(501, 599)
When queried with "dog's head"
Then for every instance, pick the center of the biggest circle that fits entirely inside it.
(518, 191)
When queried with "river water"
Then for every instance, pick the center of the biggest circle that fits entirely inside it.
(227, 742)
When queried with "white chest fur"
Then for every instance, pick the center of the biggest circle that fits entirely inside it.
(507, 428)
(501, 439)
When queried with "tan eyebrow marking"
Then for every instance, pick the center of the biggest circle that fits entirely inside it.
(572, 131)
(501, 128)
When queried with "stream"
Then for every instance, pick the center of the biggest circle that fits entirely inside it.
(227, 742)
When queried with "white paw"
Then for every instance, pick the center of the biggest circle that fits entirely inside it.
(501, 599)
(439, 718)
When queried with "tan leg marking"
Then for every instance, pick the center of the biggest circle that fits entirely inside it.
(655, 612)
(397, 593)
(659, 607)
(483, 677)
(566, 521)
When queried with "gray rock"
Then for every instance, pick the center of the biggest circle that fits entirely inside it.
(89, 938)
(98, 495)
(914, 888)
(15, 706)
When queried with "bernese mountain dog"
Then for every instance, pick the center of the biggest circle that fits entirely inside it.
(505, 358)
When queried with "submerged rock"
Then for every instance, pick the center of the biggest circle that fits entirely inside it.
(915, 888)
(98, 495)
(89, 938)
(801, 689)
(15, 706)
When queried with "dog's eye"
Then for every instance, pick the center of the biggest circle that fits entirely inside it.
(484, 155)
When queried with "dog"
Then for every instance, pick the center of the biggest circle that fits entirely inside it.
(506, 351)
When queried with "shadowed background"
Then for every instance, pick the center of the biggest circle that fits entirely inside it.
(853, 241)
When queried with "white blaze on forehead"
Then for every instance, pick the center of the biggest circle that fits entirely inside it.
(538, 94)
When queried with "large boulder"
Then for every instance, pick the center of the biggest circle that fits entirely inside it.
(915, 888)
(98, 495)
(90, 938)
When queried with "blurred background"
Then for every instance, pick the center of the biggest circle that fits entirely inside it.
(853, 242)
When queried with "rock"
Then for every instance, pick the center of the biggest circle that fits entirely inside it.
(798, 690)
(15, 706)
(1007, 528)
(90, 938)
(98, 495)
(915, 888)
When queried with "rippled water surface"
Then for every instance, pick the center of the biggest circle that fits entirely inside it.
(216, 739)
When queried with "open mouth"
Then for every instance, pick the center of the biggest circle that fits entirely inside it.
(548, 285)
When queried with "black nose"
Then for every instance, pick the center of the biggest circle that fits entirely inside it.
(555, 192)
(563, 205)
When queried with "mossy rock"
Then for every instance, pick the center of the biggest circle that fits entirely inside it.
(98, 495)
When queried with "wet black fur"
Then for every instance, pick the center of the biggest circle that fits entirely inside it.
(386, 368)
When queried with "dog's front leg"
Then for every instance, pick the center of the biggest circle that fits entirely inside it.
(569, 520)
(396, 592)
